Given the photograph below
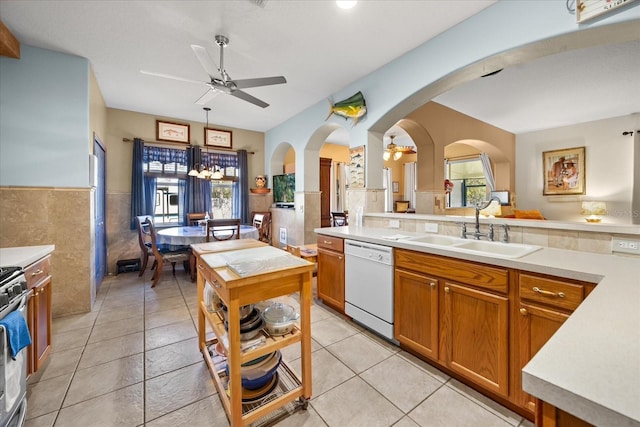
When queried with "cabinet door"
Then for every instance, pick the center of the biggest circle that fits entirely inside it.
(474, 336)
(331, 278)
(416, 312)
(42, 323)
(32, 331)
(536, 326)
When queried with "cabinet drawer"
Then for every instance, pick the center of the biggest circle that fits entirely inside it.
(483, 276)
(551, 291)
(331, 243)
(38, 271)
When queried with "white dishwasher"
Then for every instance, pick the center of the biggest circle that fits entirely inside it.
(368, 287)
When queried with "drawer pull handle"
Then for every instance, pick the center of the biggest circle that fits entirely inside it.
(216, 284)
(37, 272)
(327, 242)
(339, 257)
(547, 293)
(523, 311)
(446, 289)
(433, 285)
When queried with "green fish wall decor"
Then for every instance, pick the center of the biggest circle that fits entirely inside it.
(352, 108)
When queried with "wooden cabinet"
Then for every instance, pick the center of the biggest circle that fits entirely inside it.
(456, 313)
(475, 334)
(38, 277)
(331, 271)
(544, 304)
(325, 192)
(550, 416)
(416, 312)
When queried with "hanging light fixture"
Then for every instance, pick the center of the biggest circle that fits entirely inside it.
(394, 151)
(203, 171)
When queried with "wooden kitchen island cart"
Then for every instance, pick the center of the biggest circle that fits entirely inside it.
(275, 276)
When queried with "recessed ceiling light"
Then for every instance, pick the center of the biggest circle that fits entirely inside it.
(346, 4)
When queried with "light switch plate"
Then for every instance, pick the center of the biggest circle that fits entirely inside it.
(430, 227)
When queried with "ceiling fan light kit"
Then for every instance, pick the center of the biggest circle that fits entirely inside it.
(219, 79)
(395, 151)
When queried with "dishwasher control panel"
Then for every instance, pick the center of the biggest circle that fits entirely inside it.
(369, 251)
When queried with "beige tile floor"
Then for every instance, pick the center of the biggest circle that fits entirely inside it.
(134, 361)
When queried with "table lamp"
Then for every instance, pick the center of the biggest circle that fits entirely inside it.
(593, 211)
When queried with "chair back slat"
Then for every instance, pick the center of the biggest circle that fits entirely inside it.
(194, 217)
(223, 229)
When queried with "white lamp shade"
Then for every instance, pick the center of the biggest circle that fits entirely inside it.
(594, 208)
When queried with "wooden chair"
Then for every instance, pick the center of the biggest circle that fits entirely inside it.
(194, 217)
(163, 255)
(262, 221)
(223, 229)
(339, 219)
(144, 240)
(293, 250)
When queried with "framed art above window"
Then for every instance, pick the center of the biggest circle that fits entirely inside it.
(217, 138)
(564, 172)
(172, 132)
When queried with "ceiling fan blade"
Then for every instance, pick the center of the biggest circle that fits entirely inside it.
(205, 60)
(249, 98)
(167, 76)
(262, 81)
(207, 96)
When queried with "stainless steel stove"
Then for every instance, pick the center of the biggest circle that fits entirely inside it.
(13, 370)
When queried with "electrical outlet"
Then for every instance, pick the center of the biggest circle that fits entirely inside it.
(431, 227)
(394, 223)
(627, 246)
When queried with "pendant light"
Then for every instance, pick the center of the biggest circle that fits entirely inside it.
(203, 171)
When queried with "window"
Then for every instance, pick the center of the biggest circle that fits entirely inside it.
(165, 171)
(222, 198)
(469, 184)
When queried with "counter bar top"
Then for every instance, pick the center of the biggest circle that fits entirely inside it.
(591, 366)
(24, 255)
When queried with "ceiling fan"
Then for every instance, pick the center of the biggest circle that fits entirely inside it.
(220, 81)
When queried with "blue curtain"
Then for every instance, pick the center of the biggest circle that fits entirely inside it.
(241, 189)
(149, 195)
(137, 182)
(197, 192)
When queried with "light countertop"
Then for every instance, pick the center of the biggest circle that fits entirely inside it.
(591, 366)
(24, 255)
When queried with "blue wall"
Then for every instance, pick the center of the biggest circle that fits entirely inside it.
(44, 120)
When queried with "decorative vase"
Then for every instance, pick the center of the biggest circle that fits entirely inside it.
(261, 181)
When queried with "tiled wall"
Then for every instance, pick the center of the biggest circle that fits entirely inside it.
(583, 241)
(60, 217)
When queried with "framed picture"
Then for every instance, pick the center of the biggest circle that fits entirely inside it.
(564, 171)
(172, 132)
(396, 186)
(356, 167)
(217, 138)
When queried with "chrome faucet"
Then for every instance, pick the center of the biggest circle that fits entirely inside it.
(477, 234)
(505, 236)
(464, 229)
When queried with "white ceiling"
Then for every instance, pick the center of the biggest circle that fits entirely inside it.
(320, 49)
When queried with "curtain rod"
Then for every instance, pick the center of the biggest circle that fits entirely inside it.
(179, 145)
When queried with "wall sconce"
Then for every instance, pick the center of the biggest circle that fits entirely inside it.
(593, 211)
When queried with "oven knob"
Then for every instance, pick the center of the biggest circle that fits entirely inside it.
(379, 257)
(4, 300)
(23, 286)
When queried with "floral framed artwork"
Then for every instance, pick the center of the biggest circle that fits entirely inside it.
(172, 132)
(564, 171)
(217, 138)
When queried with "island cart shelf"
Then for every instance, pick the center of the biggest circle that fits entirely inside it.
(291, 392)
